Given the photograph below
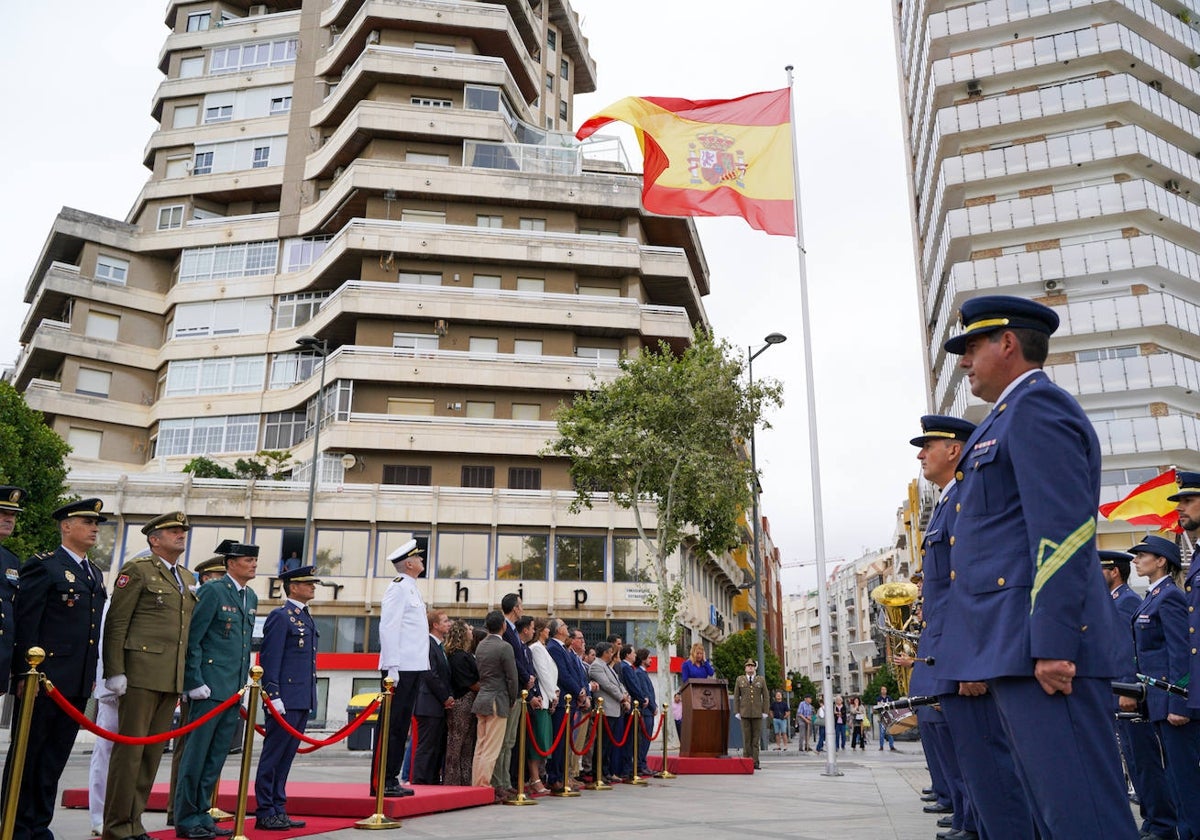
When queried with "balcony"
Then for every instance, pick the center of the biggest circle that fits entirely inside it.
(1176, 436)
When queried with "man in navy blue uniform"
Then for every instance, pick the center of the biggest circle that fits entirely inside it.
(1139, 741)
(1032, 616)
(289, 683)
(58, 608)
(10, 576)
(1187, 501)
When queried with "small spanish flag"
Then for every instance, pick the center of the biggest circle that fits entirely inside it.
(714, 157)
(1147, 504)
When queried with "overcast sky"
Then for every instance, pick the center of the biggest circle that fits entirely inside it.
(79, 120)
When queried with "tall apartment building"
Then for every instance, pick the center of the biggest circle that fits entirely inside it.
(396, 180)
(1054, 154)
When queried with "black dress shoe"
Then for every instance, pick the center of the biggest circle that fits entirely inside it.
(935, 808)
(274, 822)
(929, 797)
(222, 832)
(197, 832)
(294, 823)
(926, 791)
(945, 822)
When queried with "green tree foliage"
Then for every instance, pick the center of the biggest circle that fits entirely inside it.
(32, 456)
(729, 659)
(665, 432)
(268, 463)
(802, 687)
(202, 467)
(884, 676)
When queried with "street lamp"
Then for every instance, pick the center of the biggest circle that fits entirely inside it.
(320, 346)
(771, 340)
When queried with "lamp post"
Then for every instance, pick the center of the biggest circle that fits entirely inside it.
(771, 340)
(320, 346)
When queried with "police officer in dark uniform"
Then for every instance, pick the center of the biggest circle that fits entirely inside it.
(59, 607)
(288, 657)
(10, 574)
(1187, 500)
(1032, 616)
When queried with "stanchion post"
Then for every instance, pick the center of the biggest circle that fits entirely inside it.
(216, 811)
(598, 782)
(522, 725)
(635, 724)
(379, 820)
(665, 774)
(239, 818)
(34, 657)
(567, 745)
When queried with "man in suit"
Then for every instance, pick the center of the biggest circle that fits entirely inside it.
(751, 705)
(58, 608)
(581, 764)
(218, 657)
(433, 699)
(616, 702)
(506, 762)
(288, 657)
(403, 656)
(10, 577)
(145, 645)
(572, 680)
(1139, 742)
(649, 708)
(1032, 616)
(498, 686)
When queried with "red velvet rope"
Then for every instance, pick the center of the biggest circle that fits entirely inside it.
(78, 716)
(317, 743)
(557, 738)
(625, 737)
(591, 735)
(657, 729)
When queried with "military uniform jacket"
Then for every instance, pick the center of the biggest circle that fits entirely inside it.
(146, 631)
(219, 638)
(288, 657)
(1025, 579)
(935, 566)
(1162, 646)
(59, 610)
(1191, 588)
(10, 577)
(750, 699)
(1127, 603)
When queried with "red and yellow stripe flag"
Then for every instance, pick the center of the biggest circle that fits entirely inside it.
(714, 157)
(1147, 504)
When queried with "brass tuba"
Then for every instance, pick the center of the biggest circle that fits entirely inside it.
(898, 624)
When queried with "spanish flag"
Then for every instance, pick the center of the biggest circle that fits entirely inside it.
(714, 157)
(1147, 504)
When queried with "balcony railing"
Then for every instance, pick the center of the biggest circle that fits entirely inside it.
(522, 157)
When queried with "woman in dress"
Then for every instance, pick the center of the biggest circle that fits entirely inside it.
(460, 722)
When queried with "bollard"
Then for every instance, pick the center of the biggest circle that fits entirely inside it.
(665, 774)
(567, 791)
(522, 726)
(34, 657)
(635, 725)
(239, 818)
(379, 820)
(598, 782)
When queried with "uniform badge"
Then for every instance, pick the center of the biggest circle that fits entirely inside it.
(69, 575)
(13, 575)
(122, 581)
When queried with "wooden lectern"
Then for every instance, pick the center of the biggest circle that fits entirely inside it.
(705, 719)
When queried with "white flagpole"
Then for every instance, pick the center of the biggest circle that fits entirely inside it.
(823, 607)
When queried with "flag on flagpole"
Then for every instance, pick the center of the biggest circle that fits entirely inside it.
(714, 157)
(1147, 504)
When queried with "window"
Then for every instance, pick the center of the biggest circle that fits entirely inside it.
(533, 224)
(289, 368)
(415, 341)
(489, 221)
(93, 383)
(564, 68)
(198, 21)
(549, 123)
(218, 114)
(170, 218)
(342, 553)
(202, 435)
(84, 443)
(425, 46)
(426, 102)
(294, 310)
(521, 556)
(252, 56)
(551, 40)
(283, 429)
(385, 544)
(486, 281)
(524, 478)
(483, 345)
(481, 410)
(579, 558)
(111, 269)
(102, 325)
(280, 105)
(221, 262)
(419, 279)
(531, 284)
(1105, 353)
(221, 375)
(178, 166)
(426, 157)
(239, 316)
(423, 217)
(262, 157)
(478, 477)
(526, 411)
(481, 98)
(599, 291)
(299, 254)
(631, 562)
(190, 68)
(562, 110)
(549, 81)
(604, 354)
(409, 475)
(408, 407)
(527, 347)
(202, 163)
(343, 634)
(461, 557)
(185, 116)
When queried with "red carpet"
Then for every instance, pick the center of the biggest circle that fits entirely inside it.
(316, 825)
(685, 766)
(324, 799)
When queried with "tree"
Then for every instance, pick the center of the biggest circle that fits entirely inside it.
(32, 456)
(666, 431)
(884, 676)
(729, 659)
(202, 467)
(267, 463)
(802, 687)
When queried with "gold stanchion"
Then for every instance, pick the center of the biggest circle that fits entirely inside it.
(521, 798)
(598, 782)
(29, 691)
(379, 820)
(215, 811)
(566, 766)
(665, 774)
(635, 723)
(239, 819)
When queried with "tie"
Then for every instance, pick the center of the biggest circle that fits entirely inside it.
(243, 593)
(87, 572)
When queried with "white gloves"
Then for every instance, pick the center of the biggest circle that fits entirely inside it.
(200, 692)
(737, 716)
(118, 685)
(394, 674)
(278, 704)
(764, 715)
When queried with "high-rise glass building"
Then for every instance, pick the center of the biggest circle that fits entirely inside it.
(1054, 153)
(396, 181)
